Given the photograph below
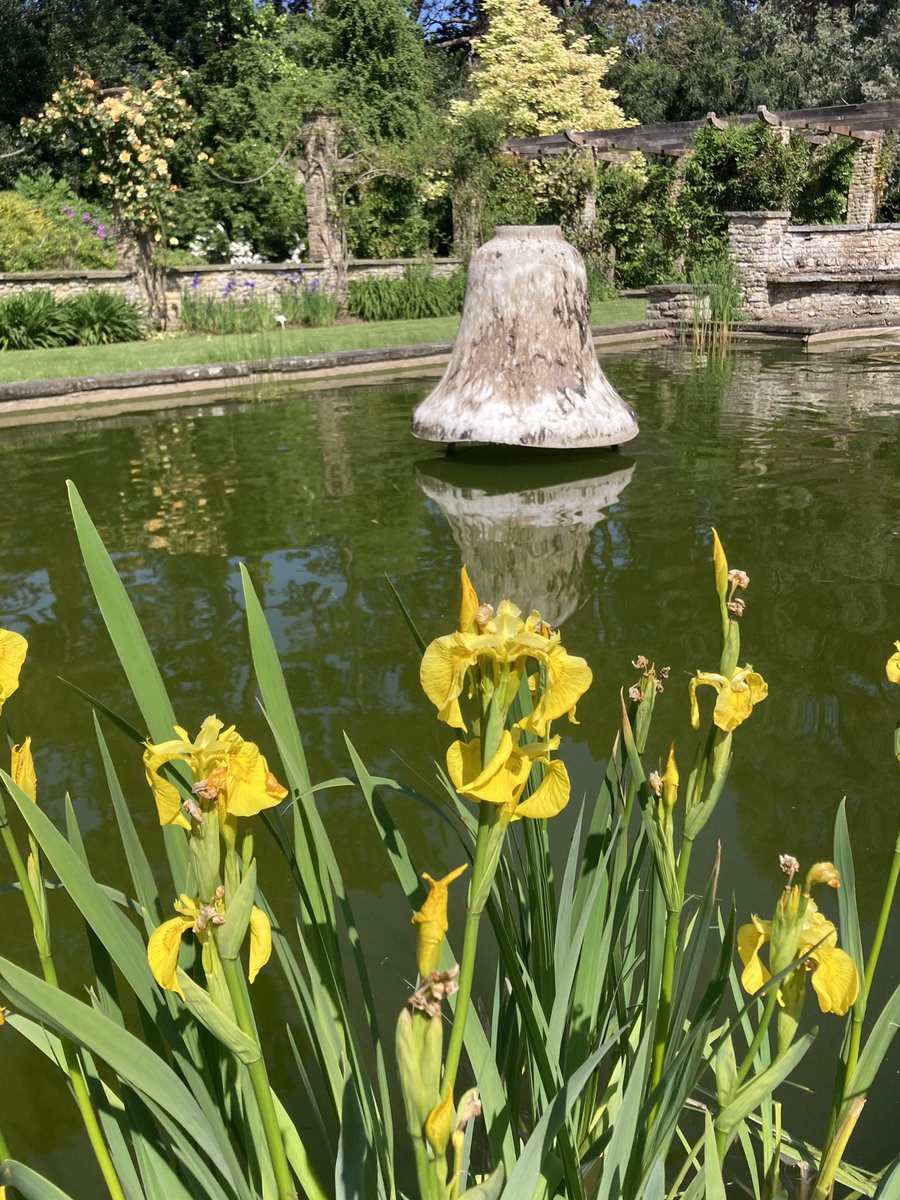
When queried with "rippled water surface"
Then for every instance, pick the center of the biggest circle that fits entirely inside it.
(795, 459)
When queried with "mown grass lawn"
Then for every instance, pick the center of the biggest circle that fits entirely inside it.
(193, 349)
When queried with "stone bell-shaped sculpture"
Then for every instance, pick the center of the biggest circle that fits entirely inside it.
(523, 371)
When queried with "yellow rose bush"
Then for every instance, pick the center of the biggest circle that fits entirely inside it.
(124, 135)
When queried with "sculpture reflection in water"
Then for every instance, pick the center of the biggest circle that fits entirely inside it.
(528, 544)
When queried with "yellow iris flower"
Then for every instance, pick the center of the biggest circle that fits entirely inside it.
(226, 769)
(892, 668)
(13, 648)
(22, 769)
(503, 779)
(431, 921)
(736, 697)
(720, 566)
(165, 941)
(503, 639)
(834, 975)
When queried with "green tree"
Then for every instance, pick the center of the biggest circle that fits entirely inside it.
(740, 169)
(251, 98)
(376, 56)
(804, 55)
(678, 58)
(23, 78)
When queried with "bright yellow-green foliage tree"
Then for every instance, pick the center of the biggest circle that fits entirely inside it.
(534, 78)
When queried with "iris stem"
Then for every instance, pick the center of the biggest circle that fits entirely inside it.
(21, 871)
(664, 1011)
(847, 1069)
(470, 945)
(743, 1070)
(70, 1053)
(424, 1171)
(883, 917)
(493, 722)
(259, 1080)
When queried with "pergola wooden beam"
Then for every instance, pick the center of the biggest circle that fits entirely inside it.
(864, 122)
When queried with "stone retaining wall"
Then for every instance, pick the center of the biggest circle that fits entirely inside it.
(673, 303)
(217, 280)
(815, 272)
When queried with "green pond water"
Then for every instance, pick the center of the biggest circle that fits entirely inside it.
(795, 459)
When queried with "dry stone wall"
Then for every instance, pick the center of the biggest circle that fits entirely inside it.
(793, 273)
(260, 279)
(802, 274)
(673, 303)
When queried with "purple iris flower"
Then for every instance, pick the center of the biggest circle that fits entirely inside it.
(195, 282)
(86, 217)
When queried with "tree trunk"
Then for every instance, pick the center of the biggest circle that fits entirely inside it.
(136, 253)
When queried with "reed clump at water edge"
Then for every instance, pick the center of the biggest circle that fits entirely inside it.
(636, 1038)
(715, 305)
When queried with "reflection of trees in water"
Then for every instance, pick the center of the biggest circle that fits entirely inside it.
(178, 500)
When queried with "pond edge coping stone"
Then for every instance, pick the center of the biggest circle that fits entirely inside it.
(38, 389)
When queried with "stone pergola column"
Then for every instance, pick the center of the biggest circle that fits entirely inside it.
(317, 170)
(586, 156)
(676, 187)
(588, 214)
(862, 196)
(756, 246)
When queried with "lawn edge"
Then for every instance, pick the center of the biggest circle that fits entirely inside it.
(278, 368)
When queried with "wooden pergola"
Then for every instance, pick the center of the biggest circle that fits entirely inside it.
(866, 123)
